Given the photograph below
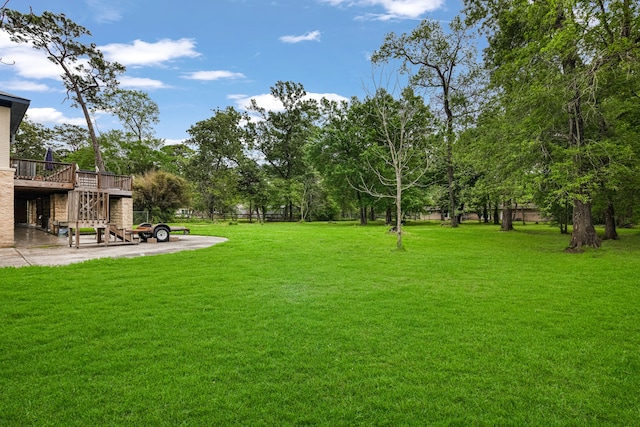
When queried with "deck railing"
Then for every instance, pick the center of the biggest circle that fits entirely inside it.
(66, 173)
(36, 170)
(103, 180)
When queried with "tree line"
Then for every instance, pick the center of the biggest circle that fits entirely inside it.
(549, 114)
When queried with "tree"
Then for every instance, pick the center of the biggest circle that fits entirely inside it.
(73, 137)
(31, 140)
(282, 135)
(136, 111)
(336, 152)
(138, 151)
(129, 156)
(86, 75)
(444, 66)
(175, 158)
(615, 45)
(160, 193)
(504, 160)
(568, 53)
(403, 152)
(254, 187)
(219, 143)
(76, 145)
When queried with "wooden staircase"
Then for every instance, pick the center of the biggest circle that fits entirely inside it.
(88, 208)
(125, 236)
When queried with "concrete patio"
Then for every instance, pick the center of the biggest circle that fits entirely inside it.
(36, 247)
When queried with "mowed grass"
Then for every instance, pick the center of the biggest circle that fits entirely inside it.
(326, 324)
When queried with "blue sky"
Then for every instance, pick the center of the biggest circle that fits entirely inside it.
(192, 57)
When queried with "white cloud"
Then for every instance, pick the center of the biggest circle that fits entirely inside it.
(52, 116)
(310, 36)
(26, 61)
(394, 9)
(24, 86)
(141, 53)
(140, 83)
(270, 103)
(173, 141)
(104, 11)
(329, 96)
(213, 75)
(266, 101)
(33, 64)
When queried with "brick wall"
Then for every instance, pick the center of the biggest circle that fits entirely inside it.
(121, 212)
(59, 207)
(32, 212)
(6, 181)
(6, 207)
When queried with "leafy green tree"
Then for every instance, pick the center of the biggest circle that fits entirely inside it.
(72, 138)
(219, 144)
(622, 112)
(136, 111)
(160, 193)
(504, 161)
(86, 75)
(254, 187)
(137, 148)
(175, 158)
(84, 158)
(556, 61)
(281, 136)
(31, 140)
(129, 156)
(336, 152)
(443, 64)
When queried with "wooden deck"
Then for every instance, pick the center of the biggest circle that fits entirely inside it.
(52, 176)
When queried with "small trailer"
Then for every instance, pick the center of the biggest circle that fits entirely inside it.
(161, 232)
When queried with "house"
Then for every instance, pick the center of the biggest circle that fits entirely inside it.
(54, 196)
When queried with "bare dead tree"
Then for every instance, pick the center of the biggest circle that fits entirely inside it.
(402, 152)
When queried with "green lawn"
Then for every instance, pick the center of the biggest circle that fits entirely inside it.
(325, 324)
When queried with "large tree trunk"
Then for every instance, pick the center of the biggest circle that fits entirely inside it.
(389, 216)
(496, 215)
(363, 210)
(584, 233)
(507, 218)
(610, 232)
(363, 215)
(99, 161)
(449, 141)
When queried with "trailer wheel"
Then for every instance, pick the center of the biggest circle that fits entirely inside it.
(162, 233)
(146, 234)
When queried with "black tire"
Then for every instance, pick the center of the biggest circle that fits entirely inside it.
(162, 233)
(145, 235)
